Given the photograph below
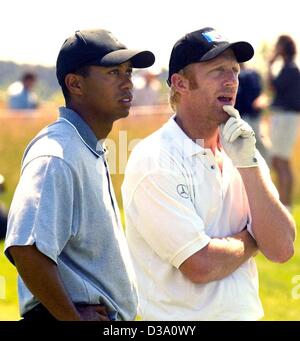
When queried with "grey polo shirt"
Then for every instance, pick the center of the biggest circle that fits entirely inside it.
(65, 205)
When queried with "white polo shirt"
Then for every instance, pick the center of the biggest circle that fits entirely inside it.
(176, 199)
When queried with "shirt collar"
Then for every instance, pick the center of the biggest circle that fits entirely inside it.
(186, 145)
(83, 129)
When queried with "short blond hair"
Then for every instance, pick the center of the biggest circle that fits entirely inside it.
(174, 95)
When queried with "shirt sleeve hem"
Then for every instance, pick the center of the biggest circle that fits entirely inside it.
(189, 250)
(42, 247)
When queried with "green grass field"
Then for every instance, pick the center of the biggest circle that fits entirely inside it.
(276, 285)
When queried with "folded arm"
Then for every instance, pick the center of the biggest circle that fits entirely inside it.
(219, 258)
(272, 225)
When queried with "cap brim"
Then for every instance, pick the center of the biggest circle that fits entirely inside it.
(243, 51)
(139, 59)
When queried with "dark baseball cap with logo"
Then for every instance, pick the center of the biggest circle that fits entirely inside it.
(97, 47)
(204, 45)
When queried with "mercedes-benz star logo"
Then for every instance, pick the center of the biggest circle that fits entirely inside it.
(183, 191)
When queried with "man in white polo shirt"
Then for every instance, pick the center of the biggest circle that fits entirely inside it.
(198, 197)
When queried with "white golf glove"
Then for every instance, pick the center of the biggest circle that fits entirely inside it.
(238, 140)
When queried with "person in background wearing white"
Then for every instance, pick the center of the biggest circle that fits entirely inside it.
(147, 94)
(286, 115)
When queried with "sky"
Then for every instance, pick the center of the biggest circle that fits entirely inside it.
(32, 31)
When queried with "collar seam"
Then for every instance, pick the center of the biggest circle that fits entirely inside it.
(99, 154)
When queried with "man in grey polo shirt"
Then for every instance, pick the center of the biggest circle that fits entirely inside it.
(64, 231)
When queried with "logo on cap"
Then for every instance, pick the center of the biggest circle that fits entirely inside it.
(212, 36)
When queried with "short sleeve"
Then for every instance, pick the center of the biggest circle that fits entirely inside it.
(163, 213)
(42, 208)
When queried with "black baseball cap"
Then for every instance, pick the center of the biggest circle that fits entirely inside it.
(204, 45)
(97, 47)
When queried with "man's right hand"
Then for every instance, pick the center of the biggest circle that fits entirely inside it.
(238, 140)
(42, 278)
(95, 312)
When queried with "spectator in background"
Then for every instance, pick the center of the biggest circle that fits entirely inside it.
(21, 95)
(250, 88)
(285, 118)
(148, 92)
